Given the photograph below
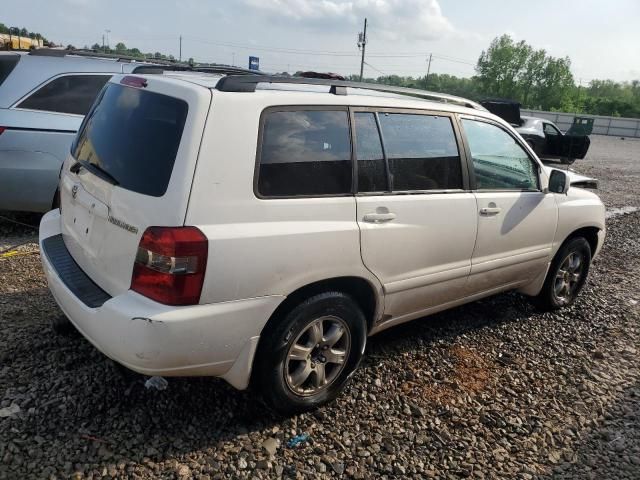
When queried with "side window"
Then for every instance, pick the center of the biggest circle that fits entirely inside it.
(372, 175)
(550, 130)
(68, 94)
(499, 162)
(422, 151)
(305, 152)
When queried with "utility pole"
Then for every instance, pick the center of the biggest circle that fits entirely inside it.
(362, 43)
(107, 32)
(180, 56)
(426, 79)
(103, 50)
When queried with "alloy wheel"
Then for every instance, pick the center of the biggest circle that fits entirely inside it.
(317, 355)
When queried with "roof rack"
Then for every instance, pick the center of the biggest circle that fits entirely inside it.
(148, 65)
(248, 83)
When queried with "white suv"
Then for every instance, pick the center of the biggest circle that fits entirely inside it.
(260, 228)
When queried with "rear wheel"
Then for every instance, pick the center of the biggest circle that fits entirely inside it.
(307, 357)
(566, 276)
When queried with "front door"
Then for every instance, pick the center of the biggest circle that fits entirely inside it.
(553, 141)
(417, 221)
(516, 220)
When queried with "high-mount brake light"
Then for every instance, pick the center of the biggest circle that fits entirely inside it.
(131, 81)
(170, 265)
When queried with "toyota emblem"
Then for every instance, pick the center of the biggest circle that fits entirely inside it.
(74, 191)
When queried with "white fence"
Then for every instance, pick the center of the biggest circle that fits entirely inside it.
(615, 126)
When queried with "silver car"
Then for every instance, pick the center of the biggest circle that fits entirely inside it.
(44, 96)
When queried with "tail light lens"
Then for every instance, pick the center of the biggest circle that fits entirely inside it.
(2, 129)
(170, 265)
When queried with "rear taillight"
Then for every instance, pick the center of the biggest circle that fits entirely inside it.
(2, 129)
(170, 265)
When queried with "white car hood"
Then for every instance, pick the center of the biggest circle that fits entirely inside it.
(576, 179)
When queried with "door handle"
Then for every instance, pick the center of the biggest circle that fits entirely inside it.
(488, 211)
(379, 217)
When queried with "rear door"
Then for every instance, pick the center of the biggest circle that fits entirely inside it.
(516, 220)
(131, 167)
(417, 219)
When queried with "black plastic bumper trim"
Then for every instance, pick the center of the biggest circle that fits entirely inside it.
(71, 274)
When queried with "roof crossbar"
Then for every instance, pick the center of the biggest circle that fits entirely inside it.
(248, 83)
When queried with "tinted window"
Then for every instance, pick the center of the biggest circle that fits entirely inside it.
(7, 64)
(372, 176)
(68, 94)
(499, 161)
(422, 151)
(134, 136)
(305, 152)
(550, 129)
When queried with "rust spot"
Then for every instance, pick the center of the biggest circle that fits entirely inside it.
(470, 373)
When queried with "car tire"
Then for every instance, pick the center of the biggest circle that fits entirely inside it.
(567, 275)
(61, 325)
(323, 337)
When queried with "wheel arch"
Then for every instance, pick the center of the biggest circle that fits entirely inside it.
(360, 289)
(589, 233)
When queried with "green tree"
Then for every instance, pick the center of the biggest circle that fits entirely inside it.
(121, 47)
(517, 71)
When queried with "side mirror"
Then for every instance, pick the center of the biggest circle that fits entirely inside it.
(558, 182)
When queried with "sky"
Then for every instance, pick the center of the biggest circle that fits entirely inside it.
(601, 38)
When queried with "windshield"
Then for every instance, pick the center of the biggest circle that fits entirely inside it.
(133, 135)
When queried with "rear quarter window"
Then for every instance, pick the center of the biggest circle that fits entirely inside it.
(304, 153)
(7, 64)
(134, 136)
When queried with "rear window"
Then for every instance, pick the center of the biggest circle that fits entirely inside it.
(305, 152)
(133, 135)
(67, 94)
(7, 64)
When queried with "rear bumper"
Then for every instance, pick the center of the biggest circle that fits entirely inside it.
(154, 339)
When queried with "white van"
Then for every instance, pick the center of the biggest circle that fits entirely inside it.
(260, 228)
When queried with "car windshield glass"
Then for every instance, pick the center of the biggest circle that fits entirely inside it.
(133, 135)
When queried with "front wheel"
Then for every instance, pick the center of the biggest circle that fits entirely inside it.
(307, 357)
(566, 276)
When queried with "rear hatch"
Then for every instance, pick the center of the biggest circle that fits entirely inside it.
(131, 167)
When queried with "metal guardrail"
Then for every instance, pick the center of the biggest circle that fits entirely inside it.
(602, 125)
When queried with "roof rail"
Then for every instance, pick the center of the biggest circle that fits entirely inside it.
(248, 83)
(209, 68)
(148, 65)
(48, 52)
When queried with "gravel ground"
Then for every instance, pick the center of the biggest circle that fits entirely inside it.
(489, 390)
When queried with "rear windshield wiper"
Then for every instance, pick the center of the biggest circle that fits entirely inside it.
(95, 169)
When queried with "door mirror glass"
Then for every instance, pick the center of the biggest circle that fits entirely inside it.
(558, 182)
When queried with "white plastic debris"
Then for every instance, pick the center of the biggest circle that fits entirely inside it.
(159, 383)
(9, 411)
